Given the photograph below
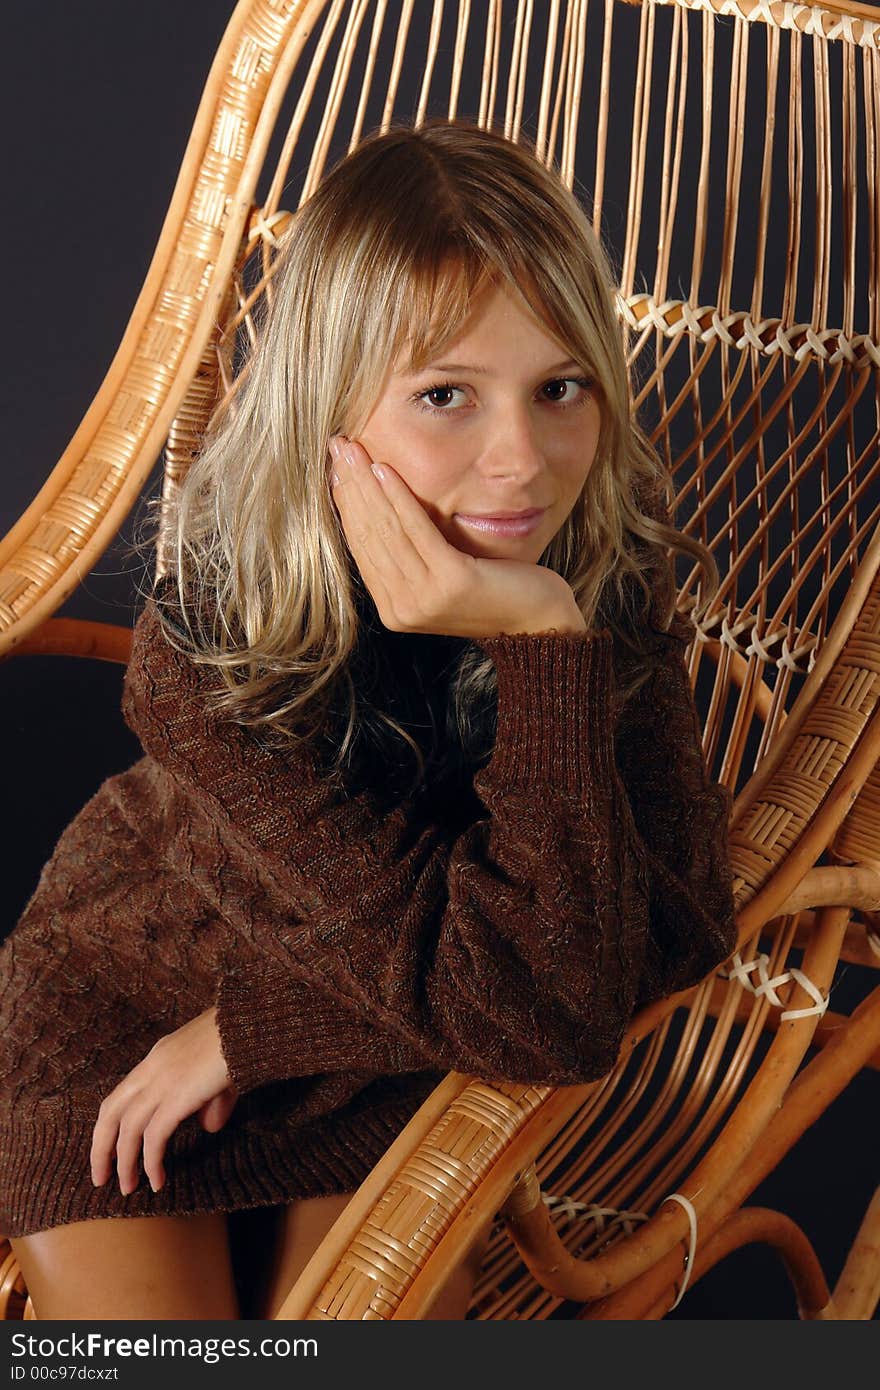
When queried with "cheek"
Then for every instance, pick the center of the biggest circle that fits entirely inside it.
(393, 437)
(585, 457)
(580, 464)
(430, 467)
(594, 429)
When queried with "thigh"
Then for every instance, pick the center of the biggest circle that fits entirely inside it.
(144, 1267)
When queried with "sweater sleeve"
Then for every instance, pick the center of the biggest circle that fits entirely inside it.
(517, 949)
(682, 817)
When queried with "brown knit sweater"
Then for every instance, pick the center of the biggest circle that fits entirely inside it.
(355, 953)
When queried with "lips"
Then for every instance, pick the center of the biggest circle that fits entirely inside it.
(502, 516)
(519, 524)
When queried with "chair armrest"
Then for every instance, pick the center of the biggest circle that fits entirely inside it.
(77, 637)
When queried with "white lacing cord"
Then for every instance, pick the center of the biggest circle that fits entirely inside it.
(591, 1211)
(692, 1242)
(739, 970)
(262, 226)
(676, 317)
(873, 940)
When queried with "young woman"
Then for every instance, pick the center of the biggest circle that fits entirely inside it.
(422, 785)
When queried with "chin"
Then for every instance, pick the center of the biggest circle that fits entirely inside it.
(496, 548)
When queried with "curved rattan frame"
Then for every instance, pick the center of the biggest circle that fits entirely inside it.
(475, 1148)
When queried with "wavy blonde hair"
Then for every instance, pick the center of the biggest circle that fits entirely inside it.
(389, 255)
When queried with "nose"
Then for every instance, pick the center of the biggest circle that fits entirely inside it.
(514, 451)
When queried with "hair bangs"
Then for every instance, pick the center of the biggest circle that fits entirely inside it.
(439, 310)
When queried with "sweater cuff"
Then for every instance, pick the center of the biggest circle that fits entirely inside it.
(555, 709)
(273, 1026)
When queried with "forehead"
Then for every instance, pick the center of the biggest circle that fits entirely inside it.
(443, 332)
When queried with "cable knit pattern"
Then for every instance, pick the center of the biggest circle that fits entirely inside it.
(354, 957)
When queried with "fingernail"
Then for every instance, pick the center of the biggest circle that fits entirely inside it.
(334, 447)
(348, 451)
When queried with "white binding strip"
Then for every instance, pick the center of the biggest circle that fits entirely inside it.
(739, 970)
(692, 1245)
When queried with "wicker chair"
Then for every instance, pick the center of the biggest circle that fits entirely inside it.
(757, 377)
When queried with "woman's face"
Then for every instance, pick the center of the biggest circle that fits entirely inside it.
(513, 427)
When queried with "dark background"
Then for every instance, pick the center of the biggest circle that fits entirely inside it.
(98, 100)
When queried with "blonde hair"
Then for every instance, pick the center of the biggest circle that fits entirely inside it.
(389, 254)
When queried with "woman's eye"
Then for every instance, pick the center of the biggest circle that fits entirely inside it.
(444, 388)
(582, 381)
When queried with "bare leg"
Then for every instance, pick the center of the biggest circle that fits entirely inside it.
(144, 1267)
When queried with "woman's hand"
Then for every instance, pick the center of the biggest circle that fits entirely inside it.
(421, 583)
(183, 1072)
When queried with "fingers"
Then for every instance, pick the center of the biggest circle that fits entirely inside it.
(396, 545)
(124, 1133)
(355, 514)
(156, 1136)
(388, 502)
(114, 1133)
(216, 1112)
(184, 1073)
(373, 522)
(425, 538)
(99, 1162)
(104, 1137)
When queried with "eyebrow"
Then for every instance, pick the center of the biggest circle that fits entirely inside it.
(484, 371)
